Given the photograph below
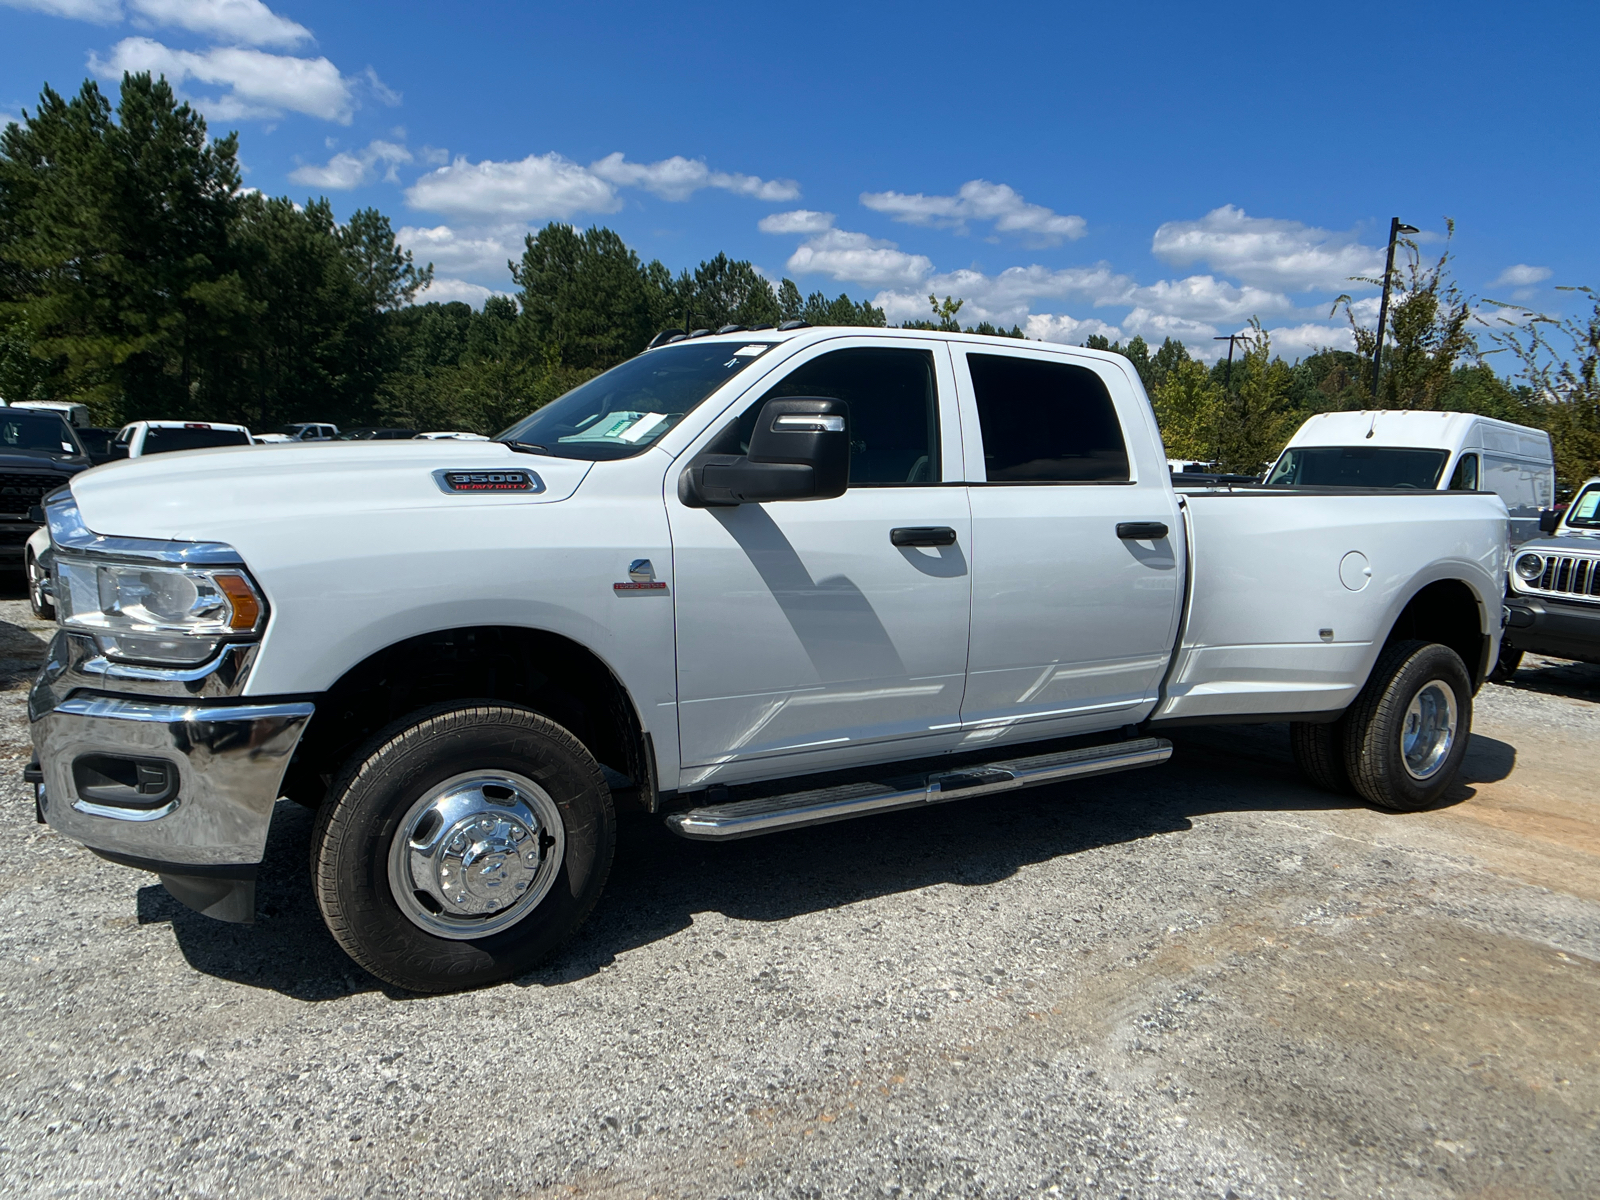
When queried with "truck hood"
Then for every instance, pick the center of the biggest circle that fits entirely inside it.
(215, 495)
(1564, 543)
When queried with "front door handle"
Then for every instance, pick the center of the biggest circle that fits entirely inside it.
(1141, 531)
(922, 535)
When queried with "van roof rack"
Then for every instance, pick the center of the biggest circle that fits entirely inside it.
(731, 329)
(788, 325)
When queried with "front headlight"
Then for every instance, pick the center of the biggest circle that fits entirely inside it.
(1530, 566)
(143, 612)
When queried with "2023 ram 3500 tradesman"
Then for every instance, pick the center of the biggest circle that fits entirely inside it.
(729, 563)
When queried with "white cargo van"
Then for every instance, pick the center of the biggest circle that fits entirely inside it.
(1447, 451)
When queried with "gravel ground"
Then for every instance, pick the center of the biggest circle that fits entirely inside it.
(1205, 979)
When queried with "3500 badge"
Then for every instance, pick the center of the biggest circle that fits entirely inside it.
(462, 482)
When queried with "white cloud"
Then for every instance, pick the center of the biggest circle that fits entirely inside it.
(263, 85)
(101, 12)
(857, 258)
(801, 220)
(978, 200)
(1297, 341)
(443, 291)
(538, 188)
(348, 170)
(384, 93)
(8, 119)
(1522, 278)
(1053, 327)
(478, 252)
(1285, 255)
(241, 22)
(1205, 298)
(678, 178)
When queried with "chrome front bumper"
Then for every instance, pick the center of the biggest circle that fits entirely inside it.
(206, 838)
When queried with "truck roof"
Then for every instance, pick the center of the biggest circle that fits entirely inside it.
(1416, 427)
(822, 332)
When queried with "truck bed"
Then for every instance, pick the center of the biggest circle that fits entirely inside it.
(1281, 615)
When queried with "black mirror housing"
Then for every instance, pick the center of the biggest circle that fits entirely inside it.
(1549, 518)
(799, 450)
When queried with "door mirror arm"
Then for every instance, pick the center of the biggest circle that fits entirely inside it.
(799, 450)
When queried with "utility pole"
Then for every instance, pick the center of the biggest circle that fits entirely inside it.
(1216, 429)
(1396, 228)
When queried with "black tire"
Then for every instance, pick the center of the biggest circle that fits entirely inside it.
(1506, 665)
(397, 769)
(1376, 726)
(1319, 753)
(42, 607)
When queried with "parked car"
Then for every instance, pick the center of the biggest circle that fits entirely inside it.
(369, 434)
(159, 437)
(452, 436)
(1420, 449)
(689, 586)
(39, 452)
(1553, 592)
(76, 415)
(303, 431)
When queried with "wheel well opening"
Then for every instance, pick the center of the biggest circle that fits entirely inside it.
(546, 672)
(1447, 612)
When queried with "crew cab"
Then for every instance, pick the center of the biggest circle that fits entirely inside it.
(1553, 594)
(747, 581)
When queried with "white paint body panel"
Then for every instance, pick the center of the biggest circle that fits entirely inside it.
(785, 627)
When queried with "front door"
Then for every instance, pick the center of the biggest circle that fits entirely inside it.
(806, 637)
(1075, 596)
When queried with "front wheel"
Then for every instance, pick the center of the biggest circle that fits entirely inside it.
(461, 846)
(1407, 731)
(38, 599)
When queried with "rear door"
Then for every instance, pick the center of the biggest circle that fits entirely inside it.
(1077, 550)
(806, 636)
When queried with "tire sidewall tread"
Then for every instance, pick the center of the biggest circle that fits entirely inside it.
(1372, 743)
(354, 827)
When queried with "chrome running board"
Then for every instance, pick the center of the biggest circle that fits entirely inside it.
(747, 818)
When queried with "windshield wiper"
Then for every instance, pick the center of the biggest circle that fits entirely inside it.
(524, 447)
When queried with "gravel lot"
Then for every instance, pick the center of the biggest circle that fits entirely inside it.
(1201, 980)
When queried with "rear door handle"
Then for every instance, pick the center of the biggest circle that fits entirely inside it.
(1141, 531)
(922, 535)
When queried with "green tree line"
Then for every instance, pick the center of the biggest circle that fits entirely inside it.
(138, 276)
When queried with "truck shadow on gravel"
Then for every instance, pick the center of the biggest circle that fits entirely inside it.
(659, 881)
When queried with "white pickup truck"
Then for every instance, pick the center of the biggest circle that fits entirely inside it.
(732, 562)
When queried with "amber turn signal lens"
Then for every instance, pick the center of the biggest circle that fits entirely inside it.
(246, 608)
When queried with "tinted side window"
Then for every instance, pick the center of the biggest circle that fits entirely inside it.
(1466, 477)
(894, 410)
(1046, 422)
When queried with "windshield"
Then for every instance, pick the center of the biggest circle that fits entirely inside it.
(36, 431)
(158, 440)
(1585, 510)
(1360, 466)
(627, 409)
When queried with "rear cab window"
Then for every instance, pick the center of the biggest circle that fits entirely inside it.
(1046, 421)
(159, 439)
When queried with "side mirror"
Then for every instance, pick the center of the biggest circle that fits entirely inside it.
(117, 453)
(799, 450)
(1549, 518)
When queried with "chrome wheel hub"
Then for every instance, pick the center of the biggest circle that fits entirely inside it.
(476, 853)
(1429, 730)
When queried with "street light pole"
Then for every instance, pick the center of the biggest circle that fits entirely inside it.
(1396, 228)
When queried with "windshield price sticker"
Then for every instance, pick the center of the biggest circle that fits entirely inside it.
(489, 481)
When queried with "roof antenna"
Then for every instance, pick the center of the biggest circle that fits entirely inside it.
(1373, 428)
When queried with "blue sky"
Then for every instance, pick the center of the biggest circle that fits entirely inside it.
(1075, 168)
